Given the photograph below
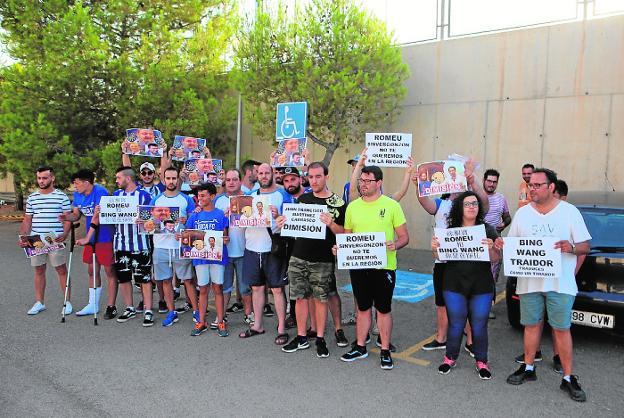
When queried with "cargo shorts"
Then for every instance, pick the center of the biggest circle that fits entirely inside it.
(311, 278)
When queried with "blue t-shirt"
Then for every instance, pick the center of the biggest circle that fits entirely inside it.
(86, 205)
(153, 190)
(214, 220)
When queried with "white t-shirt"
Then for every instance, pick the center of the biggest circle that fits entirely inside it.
(564, 222)
(258, 239)
(236, 247)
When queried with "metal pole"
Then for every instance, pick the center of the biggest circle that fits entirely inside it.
(239, 130)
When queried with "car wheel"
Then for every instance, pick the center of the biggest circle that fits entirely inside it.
(513, 305)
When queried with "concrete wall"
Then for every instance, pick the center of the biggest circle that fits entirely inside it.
(6, 184)
(553, 96)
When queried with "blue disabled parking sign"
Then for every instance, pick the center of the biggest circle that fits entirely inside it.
(292, 120)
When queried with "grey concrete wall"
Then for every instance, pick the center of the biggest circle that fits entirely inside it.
(553, 96)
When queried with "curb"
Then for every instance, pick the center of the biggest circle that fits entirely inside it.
(11, 217)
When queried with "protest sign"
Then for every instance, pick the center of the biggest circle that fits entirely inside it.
(158, 219)
(462, 244)
(388, 149)
(362, 250)
(289, 153)
(201, 245)
(198, 170)
(185, 147)
(118, 209)
(41, 244)
(303, 221)
(145, 142)
(439, 177)
(250, 211)
(531, 257)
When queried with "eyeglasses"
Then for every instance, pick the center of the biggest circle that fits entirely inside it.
(147, 173)
(472, 204)
(366, 181)
(536, 186)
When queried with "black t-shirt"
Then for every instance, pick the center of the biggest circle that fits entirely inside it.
(316, 249)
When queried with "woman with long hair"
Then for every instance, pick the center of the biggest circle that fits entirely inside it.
(468, 287)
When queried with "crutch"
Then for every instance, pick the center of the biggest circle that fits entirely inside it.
(72, 243)
(95, 238)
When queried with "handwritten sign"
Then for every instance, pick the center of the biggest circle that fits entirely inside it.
(362, 250)
(531, 257)
(118, 209)
(304, 221)
(388, 149)
(462, 244)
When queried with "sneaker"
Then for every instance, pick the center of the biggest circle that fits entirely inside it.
(310, 334)
(468, 348)
(162, 307)
(268, 312)
(222, 329)
(385, 360)
(357, 352)
(111, 312)
(291, 323)
(521, 375)
(378, 344)
(184, 308)
(557, 367)
(196, 317)
(199, 329)
(127, 315)
(236, 307)
(321, 348)
(250, 319)
(350, 319)
(491, 315)
(341, 339)
(538, 357)
(176, 294)
(574, 389)
(446, 367)
(69, 308)
(172, 317)
(434, 345)
(214, 324)
(36, 308)
(297, 343)
(148, 319)
(139, 307)
(484, 370)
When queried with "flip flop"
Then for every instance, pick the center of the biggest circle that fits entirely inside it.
(250, 333)
(281, 339)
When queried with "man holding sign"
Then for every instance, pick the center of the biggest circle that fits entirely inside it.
(547, 216)
(374, 212)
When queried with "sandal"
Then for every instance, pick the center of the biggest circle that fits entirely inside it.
(250, 333)
(281, 339)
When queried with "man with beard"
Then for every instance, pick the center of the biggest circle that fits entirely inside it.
(43, 209)
(498, 215)
(250, 176)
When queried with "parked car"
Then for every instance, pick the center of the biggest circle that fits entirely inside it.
(600, 299)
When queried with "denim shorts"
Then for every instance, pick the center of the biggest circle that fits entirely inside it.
(209, 273)
(234, 264)
(557, 305)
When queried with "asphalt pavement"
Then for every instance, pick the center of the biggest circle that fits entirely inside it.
(77, 369)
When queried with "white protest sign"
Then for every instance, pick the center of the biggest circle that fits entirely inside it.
(362, 250)
(388, 149)
(462, 244)
(531, 257)
(303, 221)
(118, 209)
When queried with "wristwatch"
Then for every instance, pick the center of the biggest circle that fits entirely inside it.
(573, 248)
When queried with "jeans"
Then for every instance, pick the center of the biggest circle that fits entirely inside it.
(477, 309)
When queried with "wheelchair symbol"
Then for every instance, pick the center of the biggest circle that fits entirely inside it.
(288, 127)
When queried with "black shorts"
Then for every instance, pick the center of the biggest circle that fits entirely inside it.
(438, 275)
(137, 266)
(373, 287)
(262, 269)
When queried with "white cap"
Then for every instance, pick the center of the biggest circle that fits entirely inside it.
(147, 165)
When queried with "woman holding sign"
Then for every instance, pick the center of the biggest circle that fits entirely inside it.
(468, 286)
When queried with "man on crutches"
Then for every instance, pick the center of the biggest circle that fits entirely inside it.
(98, 249)
(72, 243)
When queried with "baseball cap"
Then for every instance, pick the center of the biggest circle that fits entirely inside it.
(355, 159)
(147, 165)
(288, 170)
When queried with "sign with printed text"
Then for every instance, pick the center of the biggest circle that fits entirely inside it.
(388, 149)
(118, 209)
(304, 221)
(462, 244)
(41, 244)
(250, 211)
(531, 257)
(362, 250)
(440, 177)
(291, 120)
(201, 245)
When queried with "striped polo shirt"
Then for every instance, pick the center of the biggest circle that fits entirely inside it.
(127, 237)
(45, 209)
(498, 206)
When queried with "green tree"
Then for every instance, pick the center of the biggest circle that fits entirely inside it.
(85, 71)
(337, 57)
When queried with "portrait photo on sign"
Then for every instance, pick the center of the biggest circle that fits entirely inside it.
(290, 153)
(202, 170)
(202, 245)
(187, 147)
(158, 219)
(250, 211)
(144, 142)
(40, 244)
(440, 177)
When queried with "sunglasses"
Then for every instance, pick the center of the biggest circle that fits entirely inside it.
(147, 172)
